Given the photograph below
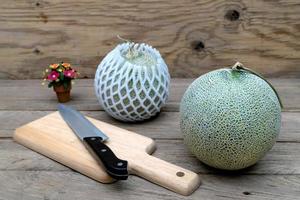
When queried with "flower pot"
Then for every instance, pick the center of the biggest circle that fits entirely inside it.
(62, 92)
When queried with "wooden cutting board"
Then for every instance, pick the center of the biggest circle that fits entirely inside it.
(52, 137)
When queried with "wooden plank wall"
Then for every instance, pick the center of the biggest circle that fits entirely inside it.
(193, 36)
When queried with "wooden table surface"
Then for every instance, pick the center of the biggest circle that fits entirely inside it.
(25, 174)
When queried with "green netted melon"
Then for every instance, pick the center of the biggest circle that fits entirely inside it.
(230, 118)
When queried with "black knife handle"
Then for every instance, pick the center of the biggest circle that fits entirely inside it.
(114, 166)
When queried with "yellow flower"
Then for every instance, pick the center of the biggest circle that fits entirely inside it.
(54, 66)
(66, 65)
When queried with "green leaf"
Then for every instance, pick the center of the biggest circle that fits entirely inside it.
(65, 85)
(50, 85)
(61, 76)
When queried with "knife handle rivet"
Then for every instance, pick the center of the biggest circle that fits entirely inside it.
(119, 164)
(93, 138)
(103, 150)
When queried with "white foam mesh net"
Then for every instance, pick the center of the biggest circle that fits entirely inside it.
(134, 87)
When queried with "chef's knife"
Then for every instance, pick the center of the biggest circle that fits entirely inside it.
(94, 139)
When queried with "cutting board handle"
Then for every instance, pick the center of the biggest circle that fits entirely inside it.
(164, 174)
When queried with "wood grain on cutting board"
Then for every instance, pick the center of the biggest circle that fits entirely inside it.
(52, 137)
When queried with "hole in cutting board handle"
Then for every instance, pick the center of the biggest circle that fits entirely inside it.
(180, 174)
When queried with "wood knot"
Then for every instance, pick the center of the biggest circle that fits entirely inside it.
(36, 51)
(246, 193)
(198, 45)
(232, 15)
(37, 4)
(44, 17)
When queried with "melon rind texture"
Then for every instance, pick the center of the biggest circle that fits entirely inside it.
(230, 118)
(132, 88)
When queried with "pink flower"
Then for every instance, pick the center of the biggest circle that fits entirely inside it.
(53, 76)
(70, 73)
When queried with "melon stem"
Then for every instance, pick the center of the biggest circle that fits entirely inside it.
(240, 67)
(131, 52)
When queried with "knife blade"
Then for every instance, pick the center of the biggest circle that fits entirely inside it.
(94, 139)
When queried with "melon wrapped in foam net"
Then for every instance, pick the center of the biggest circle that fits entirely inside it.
(132, 82)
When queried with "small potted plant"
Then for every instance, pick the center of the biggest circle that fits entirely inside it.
(60, 76)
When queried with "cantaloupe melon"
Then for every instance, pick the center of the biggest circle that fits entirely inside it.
(230, 118)
(132, 82)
